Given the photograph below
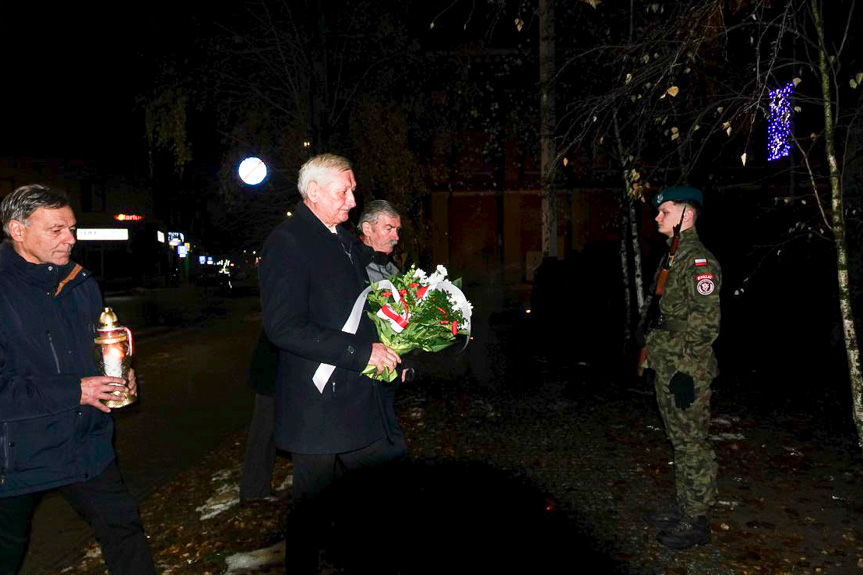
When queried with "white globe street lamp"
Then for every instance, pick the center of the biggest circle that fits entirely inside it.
(252, 171)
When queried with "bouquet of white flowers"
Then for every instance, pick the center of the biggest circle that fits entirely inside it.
(417, 311)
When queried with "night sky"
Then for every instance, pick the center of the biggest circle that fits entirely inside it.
(72, 74)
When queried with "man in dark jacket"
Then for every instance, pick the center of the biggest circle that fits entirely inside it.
(55, 432)
(379, 227)
(328, 415)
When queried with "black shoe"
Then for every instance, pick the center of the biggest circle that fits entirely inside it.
(689, 532)
(664, 517)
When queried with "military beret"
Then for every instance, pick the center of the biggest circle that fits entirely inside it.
(679, 194)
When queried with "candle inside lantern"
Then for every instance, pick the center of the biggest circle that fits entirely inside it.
(113, 355)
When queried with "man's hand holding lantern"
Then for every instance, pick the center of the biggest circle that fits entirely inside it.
(99, 388)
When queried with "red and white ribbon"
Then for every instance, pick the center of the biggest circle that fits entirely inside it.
(397, 321)
(325, 370)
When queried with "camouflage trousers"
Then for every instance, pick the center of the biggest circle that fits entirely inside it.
(694, 460)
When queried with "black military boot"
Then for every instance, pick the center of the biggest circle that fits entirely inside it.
(663, 517)
(689, 532)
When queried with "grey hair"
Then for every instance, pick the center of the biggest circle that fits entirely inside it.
(319, 169)
(374, 209)
(20, 204)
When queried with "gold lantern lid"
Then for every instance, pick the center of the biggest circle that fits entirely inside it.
(109, 328)
(108, 319)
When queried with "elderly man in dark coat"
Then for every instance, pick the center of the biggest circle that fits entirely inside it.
(329, 416)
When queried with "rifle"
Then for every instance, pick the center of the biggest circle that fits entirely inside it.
(653, 319)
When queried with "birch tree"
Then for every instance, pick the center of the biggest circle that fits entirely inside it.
(830, 72)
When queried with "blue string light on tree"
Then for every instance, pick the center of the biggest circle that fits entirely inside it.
(779, 128)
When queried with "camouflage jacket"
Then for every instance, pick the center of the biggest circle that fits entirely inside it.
(690, 307)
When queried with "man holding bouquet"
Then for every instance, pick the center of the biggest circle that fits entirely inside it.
(311, 274)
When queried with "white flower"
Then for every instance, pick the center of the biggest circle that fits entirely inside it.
(419, 275)
(438, 276)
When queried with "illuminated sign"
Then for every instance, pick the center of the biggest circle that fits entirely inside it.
(85, 234)
(160, 236)
(128, 217)
(202, 260)
(175, 238)
(181, 251)
(209, 260)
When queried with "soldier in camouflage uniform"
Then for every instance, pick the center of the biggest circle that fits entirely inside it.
(681, 354)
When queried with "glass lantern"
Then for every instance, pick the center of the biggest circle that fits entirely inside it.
(114, 354)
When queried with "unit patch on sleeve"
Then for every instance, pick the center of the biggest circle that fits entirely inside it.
(704, 283)
(700, 261)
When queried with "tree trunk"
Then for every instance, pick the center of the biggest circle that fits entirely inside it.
(638, 277)
(848, 329)
(629, 240)
(546, 132)
(630, 246)
(629, 312)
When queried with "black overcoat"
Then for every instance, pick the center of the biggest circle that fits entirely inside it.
(310, 279)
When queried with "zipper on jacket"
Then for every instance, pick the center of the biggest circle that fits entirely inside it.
(4, 437)
(54, 351)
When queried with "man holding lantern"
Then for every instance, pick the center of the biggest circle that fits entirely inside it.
(55, 431)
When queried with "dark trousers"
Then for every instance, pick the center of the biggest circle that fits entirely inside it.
(260, 454)
(107, 506)
(313, 474)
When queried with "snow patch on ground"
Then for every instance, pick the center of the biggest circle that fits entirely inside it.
(726, 420)
(727, 437)
(256, 559)
(288, 482)
(227, 495)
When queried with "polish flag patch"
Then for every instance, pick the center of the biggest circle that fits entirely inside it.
(700, 261)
